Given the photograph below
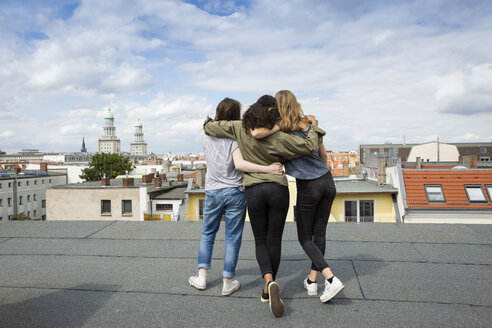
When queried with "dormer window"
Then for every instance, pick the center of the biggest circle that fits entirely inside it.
(475, 194)
(434, 194)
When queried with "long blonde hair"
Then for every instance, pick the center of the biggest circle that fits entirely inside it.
(291, 114)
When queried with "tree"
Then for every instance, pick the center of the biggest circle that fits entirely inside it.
(109, 165)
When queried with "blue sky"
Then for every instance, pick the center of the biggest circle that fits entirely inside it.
(371, 71)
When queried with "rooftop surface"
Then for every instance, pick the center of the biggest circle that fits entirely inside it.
(135, 274)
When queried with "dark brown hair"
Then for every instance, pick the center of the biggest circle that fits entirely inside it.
(258, 116)
(267, 101)
(228, 110)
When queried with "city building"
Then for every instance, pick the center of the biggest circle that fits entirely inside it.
(138, 146)
(361, 200)
(25, 192)
(109, 142)
(443, 193)
(396, 154)
(123, 198)
(25, 155)
(358, 200)
(343, 164)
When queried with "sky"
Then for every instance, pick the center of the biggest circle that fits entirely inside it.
(371, 71)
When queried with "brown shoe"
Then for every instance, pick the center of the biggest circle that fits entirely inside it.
(276, 304)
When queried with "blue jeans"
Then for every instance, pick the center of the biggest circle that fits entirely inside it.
(232, 203)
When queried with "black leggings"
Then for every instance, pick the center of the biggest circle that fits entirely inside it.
(268, 204)
(314, 200)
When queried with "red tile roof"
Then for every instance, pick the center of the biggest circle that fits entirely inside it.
(453, 186)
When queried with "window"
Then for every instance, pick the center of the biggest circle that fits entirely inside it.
(483, 149)
(43, 203)
(34, 197)
(20, 200)
(201, 203)
(359, 210)
(164, 207)
(10, 184)
(35, 213)
(0, 186)
(42, 181)
(1, 202)
(475, 194)
(18, 184)
(43, 217)
(27, 183)
(484, 159)
(489, 191)
(434, 194)
(28, 198)
(29, 213)
(126, 206)
(9, 201)
(105, 206)
(35, 182)
(49, 181)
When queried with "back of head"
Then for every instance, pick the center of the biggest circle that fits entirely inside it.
(228, 110)
(258, 116)
(267, 101)
(290, 111)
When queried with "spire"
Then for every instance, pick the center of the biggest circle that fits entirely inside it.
(83, 149)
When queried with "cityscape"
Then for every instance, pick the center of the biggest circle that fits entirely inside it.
(108, 182)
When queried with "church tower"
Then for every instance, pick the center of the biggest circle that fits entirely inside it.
(109, 143)
(138, 146)
(83, 149)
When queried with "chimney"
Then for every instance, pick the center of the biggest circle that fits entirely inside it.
(200, 176)
(43, 167)
(381, 171)
(419, 163)
(147, 178)
(345, 168)
(357, 168)
(105, 182)
(470, 161)
(128, 182)
(152, 170)
(163, 176)
(158, 182)
(151, 175)
(180, 177)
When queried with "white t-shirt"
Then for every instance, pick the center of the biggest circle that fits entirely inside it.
(221, 172)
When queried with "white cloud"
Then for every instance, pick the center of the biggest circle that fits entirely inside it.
(371, 71)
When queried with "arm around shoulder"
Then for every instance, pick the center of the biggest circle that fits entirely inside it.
(220, 129)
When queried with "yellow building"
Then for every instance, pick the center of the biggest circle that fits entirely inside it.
(357, 200)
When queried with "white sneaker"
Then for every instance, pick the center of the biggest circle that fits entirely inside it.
(312, 289)
(198, 281)
(230, 286)
(331, 289)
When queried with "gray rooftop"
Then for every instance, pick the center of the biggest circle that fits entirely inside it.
(354, 186)
(135, 274)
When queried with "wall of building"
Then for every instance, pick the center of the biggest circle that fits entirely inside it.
(85, 203)
(176, 203)
(383, 206)
(449, 217)
(192, 210)
(32, 192)
(430, 152)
